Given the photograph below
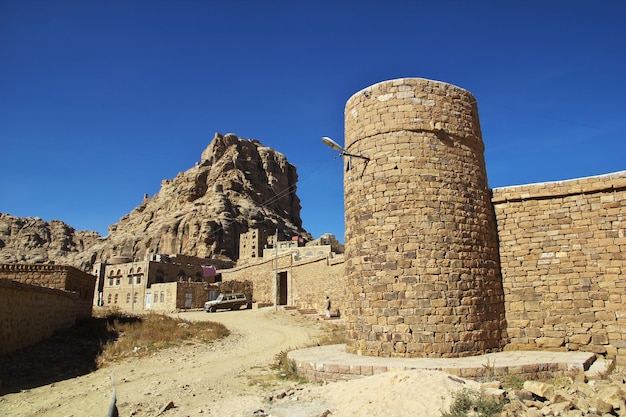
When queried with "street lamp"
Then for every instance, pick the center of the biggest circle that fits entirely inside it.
(332, 144)
(337, 147)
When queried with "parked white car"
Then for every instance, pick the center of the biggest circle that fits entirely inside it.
(233, 301)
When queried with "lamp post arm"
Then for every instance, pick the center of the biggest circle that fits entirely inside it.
(354, 155)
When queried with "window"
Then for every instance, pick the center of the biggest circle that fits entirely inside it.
(135, 298)
(130, 280)
(162, 297)
(127, 297)
(110, 282)
(117, 281)
(138, 279)
(109, 299)
(115, 302)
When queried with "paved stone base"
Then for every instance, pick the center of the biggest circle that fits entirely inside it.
(332, 363)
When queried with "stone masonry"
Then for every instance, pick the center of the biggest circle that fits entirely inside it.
(60, 277)
(37, 300)
(563, 256)
(421, 241)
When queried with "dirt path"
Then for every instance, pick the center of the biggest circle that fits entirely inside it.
(226, 378)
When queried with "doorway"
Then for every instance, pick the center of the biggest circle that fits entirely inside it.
(282, 288)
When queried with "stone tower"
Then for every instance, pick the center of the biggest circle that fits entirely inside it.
(421, 239)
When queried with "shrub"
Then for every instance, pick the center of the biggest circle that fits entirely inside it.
(468, 401)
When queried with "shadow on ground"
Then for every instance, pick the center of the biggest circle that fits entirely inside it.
(67, 354)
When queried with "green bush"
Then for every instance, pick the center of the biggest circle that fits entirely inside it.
(467, 400)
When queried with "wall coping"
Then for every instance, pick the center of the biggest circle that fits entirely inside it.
(542, 190)
(39, 267)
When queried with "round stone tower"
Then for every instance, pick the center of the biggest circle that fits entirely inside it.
(421, 241)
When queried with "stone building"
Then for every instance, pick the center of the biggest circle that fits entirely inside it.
(251, 244)
(127, 283)
(256, 244)
(37, 300)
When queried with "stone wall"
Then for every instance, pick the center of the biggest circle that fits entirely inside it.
(32, 313)
(563, 257)
(421, 240)
(308, 281)
(177, 296)
(61, 277)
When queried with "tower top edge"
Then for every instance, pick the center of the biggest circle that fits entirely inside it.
(409, 81)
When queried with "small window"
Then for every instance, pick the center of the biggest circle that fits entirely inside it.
(109, 299)
(138, 279)
(110, 282)
(130, 280)
(135, 298)
(127, 298)
(115, 302)
(117, 281)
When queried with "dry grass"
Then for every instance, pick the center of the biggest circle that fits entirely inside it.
(140, 335)
(333, 335)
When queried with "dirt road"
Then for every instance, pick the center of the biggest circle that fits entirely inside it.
(225, 378)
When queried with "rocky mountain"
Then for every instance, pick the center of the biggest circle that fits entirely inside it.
(237, 185)
(32, 240)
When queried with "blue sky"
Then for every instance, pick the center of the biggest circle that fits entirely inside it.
(101, 100)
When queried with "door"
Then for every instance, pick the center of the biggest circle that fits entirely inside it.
(282, 288)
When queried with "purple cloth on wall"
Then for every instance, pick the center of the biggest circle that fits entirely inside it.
(208, 271)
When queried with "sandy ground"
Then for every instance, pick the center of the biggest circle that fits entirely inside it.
(232, 377)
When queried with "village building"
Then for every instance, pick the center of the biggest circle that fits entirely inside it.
(134, 285)
(162, 282)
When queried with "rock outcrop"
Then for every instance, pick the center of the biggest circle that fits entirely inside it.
(238, 184)
(571, 397)
(33, 240)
